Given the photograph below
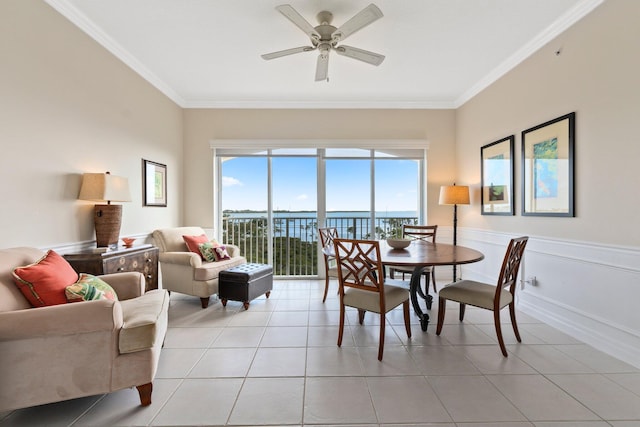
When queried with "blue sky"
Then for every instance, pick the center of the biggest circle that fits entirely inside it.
(294, 184)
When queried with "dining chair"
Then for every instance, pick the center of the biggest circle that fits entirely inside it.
(426, 233)
(362, 285)
(487, 296)
(327, 234)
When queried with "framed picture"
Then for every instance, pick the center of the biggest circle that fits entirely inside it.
(154, 181)
(547, 168)
(497, 190)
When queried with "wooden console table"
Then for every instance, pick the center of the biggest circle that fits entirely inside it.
(141, 258)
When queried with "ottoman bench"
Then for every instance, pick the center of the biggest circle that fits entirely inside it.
(244, 283)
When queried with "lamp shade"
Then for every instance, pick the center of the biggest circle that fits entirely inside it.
(104, 187)
(101, 188)
(454, 195)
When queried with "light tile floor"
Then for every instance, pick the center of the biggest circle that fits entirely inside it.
(278, 364)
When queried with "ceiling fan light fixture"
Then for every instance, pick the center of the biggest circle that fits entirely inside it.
(324, 50)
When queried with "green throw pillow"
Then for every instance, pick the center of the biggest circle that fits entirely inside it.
(208, 251)
(89, 288)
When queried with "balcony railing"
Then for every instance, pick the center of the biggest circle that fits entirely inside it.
(295, 239)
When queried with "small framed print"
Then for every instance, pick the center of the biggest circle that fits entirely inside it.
(547, 168)
(497, 190)
(154, 181)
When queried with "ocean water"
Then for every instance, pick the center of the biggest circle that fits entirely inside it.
(332, 214)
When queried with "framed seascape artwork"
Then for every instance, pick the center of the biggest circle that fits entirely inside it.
(497, 190)
(154, 181)
(547, 168)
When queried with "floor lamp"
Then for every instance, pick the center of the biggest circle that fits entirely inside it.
(101, 188)
(454, 195)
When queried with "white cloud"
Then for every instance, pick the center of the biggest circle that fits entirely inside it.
(302, 197)
(228, 181)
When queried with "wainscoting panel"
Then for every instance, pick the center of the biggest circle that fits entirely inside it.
(587, 290)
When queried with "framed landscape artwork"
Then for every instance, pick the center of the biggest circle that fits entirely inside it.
(547, 168)
(497, 190)
(154, 178)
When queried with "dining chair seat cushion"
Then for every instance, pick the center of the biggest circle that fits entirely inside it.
(475, 293)
(370, 301)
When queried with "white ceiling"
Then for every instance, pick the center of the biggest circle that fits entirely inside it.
(206, 53)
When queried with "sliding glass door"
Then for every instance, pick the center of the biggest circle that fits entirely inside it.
(348, 196)
(295, 219)
(397, 200)
(272, 201)
(244, 193)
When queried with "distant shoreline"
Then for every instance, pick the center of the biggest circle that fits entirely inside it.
(312, 214)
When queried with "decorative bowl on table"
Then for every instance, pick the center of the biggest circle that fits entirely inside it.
(128, 241)
(398, 243)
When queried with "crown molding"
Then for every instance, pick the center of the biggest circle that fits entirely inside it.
(80, 20)
(300, 105)
(556, 28)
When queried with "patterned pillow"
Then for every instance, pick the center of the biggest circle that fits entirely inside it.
(89, 288)
(213, 251)
(207, 251)
(221, 252)
(193, 242)
(44, 281)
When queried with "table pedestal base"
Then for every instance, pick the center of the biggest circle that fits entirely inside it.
(415, 290)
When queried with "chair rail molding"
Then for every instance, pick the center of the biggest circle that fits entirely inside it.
(573, 279)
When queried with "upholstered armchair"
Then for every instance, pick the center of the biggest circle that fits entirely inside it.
(77, 349)
(185, 271)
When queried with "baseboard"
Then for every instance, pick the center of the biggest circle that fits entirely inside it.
(585, 289)
(613, 339)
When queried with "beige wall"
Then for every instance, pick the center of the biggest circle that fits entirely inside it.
(202, 126)
(67, 106)
(597, 75)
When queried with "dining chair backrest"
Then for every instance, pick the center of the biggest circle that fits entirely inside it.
(327, 234)
(359, 264)
(420, 232)
(510, 266)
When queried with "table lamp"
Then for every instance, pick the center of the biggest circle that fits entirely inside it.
(454, 195)
(104, 187)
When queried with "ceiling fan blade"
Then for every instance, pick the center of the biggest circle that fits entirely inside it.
(360, 20)
(322, 67)
(278, 54)
(293, 16)
(360, 54)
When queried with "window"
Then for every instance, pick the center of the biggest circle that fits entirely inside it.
(272, 201)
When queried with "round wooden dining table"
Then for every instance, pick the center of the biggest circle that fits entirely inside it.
(420, 254)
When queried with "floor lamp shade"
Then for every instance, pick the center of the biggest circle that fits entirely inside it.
(454, 195)
(101, 188)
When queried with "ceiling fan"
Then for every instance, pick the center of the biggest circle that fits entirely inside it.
(325, 37)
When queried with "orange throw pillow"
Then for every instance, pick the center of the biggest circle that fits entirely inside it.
(193, 243)
(43, 282)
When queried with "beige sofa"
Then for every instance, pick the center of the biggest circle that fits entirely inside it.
(65, 351)
(185, 272)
